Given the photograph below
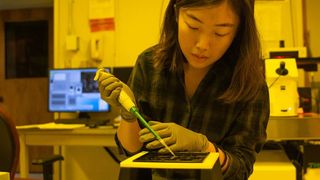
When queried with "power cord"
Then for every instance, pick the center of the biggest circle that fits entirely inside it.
(112, 155)
(281, 71)
(274, 81)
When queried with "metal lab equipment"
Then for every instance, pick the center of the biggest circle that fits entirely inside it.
(282, 80)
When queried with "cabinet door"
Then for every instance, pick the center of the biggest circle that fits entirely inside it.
(25, 98)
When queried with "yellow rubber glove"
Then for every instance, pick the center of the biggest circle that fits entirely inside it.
(178, 138)
(110, 88)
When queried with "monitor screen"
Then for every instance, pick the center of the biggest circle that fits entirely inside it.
(75, 90)
(122, 73)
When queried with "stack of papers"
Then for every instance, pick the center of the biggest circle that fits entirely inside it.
(52, 126)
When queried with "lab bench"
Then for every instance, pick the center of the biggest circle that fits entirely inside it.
(299, 137)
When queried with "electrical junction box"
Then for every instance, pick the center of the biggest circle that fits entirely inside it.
(72, 43)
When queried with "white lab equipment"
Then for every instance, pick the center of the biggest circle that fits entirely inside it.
(282, 80)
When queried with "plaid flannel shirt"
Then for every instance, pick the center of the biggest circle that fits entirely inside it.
(239, 129)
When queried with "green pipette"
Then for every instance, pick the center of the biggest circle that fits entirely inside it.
(135, 111)
(127, 103)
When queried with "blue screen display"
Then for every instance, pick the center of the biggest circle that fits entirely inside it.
(75, 90)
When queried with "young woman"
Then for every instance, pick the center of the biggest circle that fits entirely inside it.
(201, 86)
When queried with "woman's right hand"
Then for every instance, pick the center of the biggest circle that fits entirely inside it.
(110, 88)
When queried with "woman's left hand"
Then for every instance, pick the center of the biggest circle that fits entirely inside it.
(175, 136)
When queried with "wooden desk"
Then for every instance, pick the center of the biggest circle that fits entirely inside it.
(102, 136)
(279, 128)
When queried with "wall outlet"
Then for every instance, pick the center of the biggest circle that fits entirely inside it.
(72, 43)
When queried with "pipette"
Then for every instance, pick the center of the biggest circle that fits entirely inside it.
(128, 104)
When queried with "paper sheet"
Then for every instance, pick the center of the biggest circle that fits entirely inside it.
(52, 126)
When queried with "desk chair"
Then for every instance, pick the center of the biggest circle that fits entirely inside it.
(9, 151)
(10, 147)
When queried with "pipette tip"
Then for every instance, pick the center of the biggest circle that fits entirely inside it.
(167, 147)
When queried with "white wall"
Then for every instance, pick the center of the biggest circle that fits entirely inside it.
(137, 26)
(279, 20)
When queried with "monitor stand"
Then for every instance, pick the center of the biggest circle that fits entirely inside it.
(84, 118)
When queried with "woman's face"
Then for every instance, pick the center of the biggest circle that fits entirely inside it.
(205, 33)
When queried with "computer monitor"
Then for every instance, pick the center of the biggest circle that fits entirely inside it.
(122, 73)
(75, 90)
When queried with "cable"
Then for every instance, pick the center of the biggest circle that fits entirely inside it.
(70, 29)
(113, 156)
(274, 81)
(292, 26)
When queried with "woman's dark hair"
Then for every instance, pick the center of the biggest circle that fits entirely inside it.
(247, 79)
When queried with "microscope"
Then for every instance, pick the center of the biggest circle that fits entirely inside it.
(282, 80)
